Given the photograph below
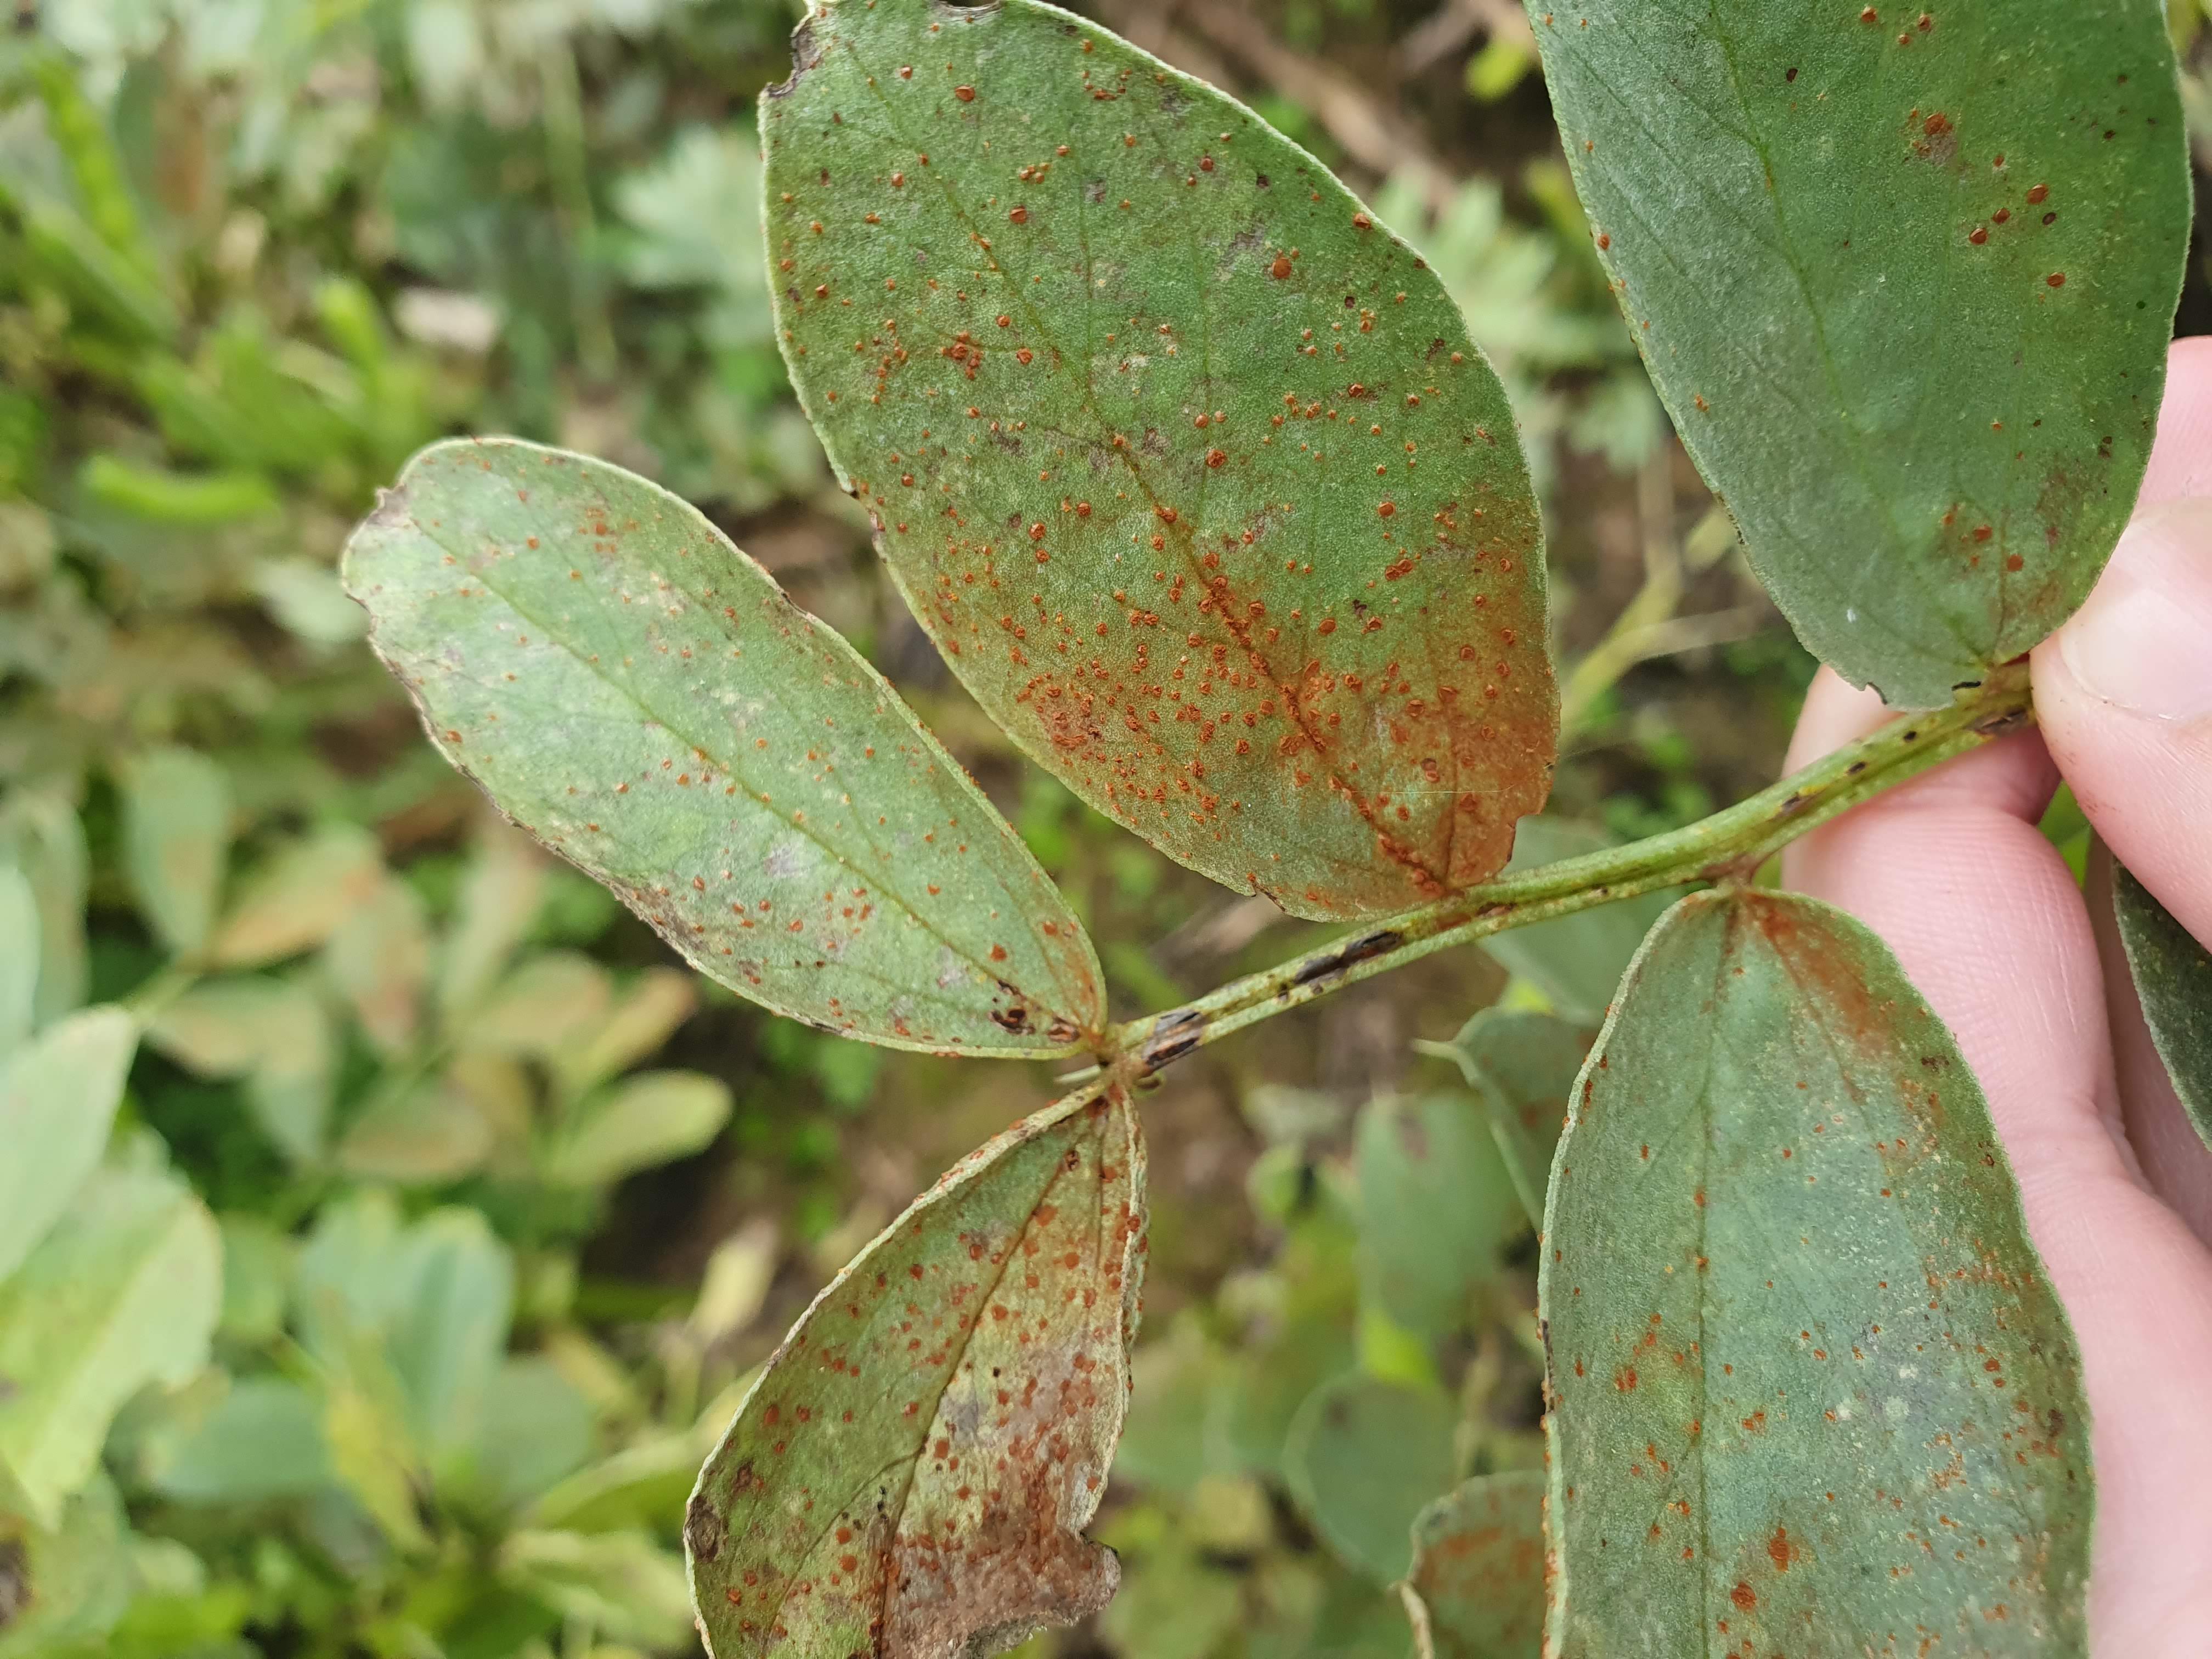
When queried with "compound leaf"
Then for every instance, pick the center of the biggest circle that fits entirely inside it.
(1476, 1590)
(2174, 982)
(1808, 1376)
(1189, 467)
(911, 1474)
(1904, 278)
(641, 696)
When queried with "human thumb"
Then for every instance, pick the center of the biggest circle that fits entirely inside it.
(2123, 693)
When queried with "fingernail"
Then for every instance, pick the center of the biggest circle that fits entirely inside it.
(2143, 642)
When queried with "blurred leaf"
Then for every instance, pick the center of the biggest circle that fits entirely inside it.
(538, 1006)
(621, 1583)
(19, 963)
(57, 1098)
(639, 1023)
(124, 1290)
(1476, 1590)
(40, 836)
(373, 1456)
(696, 213)
(734, 1288)
(2173, 974)
(1365, 1457)
(1577, 960)
(638, 1486)
(886, 1451)
(505, 884)
(1437, 1203)
(1179, 1393)
(379, 957)
(884, 895)
(1172, 1606)
(265, 1440)
(645, 1120)
(1524, 1064)
(68, 1584)
(450, 1336)
(420, 1133)
(1784, 1257)
(308, 602)
(296, 900)
(2022, 344)
(176, 830)
(256, 1278)
(538, 1431)
(1396, 729)
(275, 1034)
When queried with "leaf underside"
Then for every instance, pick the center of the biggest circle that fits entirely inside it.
(638, 695)
(1476, 1590)
(1189, 468)
(911, 1475)
(1811, 1390)
(1904, 278)
(2173, 975)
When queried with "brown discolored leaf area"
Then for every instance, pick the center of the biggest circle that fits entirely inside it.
(1188, 465)
(1476, 1590)
(911, 1475)
(1811, 1391)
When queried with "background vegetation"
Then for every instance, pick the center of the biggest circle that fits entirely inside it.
(488, 1208)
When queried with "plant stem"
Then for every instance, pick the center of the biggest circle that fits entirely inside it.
(1730, 843)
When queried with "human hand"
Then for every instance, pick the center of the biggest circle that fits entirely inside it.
(1953, 874)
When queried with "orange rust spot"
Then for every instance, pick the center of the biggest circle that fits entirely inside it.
(1744, 1596)
(965, 94)
(1281, 268)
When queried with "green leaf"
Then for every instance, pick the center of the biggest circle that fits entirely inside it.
(1365, 1457)
(1173, 1605)
(500, 897)
(537, 1010)
(297, 899)
(450, 1334)
(1904, 279)
(1046, 301)
(264, 1440)
(537, 1431)
(1476, 1590)
(123, 1291)
(2173, 975)
(648, 1119)
(41, 836)
(176, 837)
(420, 1133)
(273, 1033)
(1436, 1202)
(646, 1016)
(66, 1583)
(58, 1100)
(1575, 961)
(620, 1582)
(728, 766)
(18, 964)
(913, 1471)
(1807, 1374)
(379, 957)
(1523, 1063)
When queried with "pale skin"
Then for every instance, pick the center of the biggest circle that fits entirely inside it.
(1952, 872)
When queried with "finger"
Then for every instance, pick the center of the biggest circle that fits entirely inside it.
(2124, 691)
(1951, 872)
(2175, 1161)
